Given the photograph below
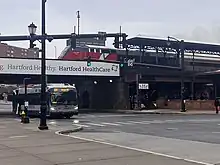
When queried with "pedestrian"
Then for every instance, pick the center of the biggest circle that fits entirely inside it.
(5, 96)
(217, 104)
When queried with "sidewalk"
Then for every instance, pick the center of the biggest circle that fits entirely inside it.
(24, 144)
(2, 102)
(168, 111)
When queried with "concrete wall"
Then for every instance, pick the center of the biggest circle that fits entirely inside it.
(200, 105)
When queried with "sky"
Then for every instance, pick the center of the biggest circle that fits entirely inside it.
(196, 20)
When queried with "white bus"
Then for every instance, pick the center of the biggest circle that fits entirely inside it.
(61, 100)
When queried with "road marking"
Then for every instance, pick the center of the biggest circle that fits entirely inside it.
(139, 122)
(216, 132)
(103, 116)
(95, 124)
(172, 128)
(135, 149)
(125, 123)
(156, 122)
(53, 122)
(75, 121)
(17, 119)
(13, 137)
(111, 124)
(81, 125)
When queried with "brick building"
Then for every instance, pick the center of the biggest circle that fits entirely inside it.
(16, 52)
(13, 51)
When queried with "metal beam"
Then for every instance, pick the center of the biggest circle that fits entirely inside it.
(57, 36)
(173, 50)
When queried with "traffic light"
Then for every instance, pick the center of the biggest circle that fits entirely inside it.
(32, 44)
(73, 41)
(89, 61)
(121, 62)
(124, 44)
(116, 42)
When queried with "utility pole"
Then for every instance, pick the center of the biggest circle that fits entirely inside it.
(193, 76)
(78, 19)
(74, 29)
(183, 108)
(120, 31)
(182, 87)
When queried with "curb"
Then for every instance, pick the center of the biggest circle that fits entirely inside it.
(146, 112)
(7, 114)
(70, 131)
(170, 113)
(141, 112)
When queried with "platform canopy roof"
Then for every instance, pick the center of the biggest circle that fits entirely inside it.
(209, 73)
(162, 42)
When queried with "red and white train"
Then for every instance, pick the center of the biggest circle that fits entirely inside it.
(112, 54)
(93, 51)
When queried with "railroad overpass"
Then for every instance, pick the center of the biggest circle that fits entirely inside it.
(101, 79)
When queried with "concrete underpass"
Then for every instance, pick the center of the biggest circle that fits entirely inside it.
(103, 92)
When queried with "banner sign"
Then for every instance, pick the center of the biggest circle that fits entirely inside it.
(58, 67)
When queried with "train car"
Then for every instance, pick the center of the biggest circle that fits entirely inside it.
(95, 52)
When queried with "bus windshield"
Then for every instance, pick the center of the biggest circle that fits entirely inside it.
(64, 97)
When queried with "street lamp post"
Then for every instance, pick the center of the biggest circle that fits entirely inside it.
(181, 47)
(183, 108)
(193, 76)
(43, 107)
(32, 28)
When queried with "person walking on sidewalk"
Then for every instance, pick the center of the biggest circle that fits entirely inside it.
(5, 96)
(217, 105)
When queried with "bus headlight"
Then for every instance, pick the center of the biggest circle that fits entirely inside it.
(76, 107)
(52, 109)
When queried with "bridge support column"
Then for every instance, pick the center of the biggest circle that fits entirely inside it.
(122, 95)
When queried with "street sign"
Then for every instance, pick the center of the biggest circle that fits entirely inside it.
(26, 103)
(143, 86)
(131, 62)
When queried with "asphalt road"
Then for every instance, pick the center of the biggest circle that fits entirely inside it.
(192, 137)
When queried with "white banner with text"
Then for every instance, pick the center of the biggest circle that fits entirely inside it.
(58, 67)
